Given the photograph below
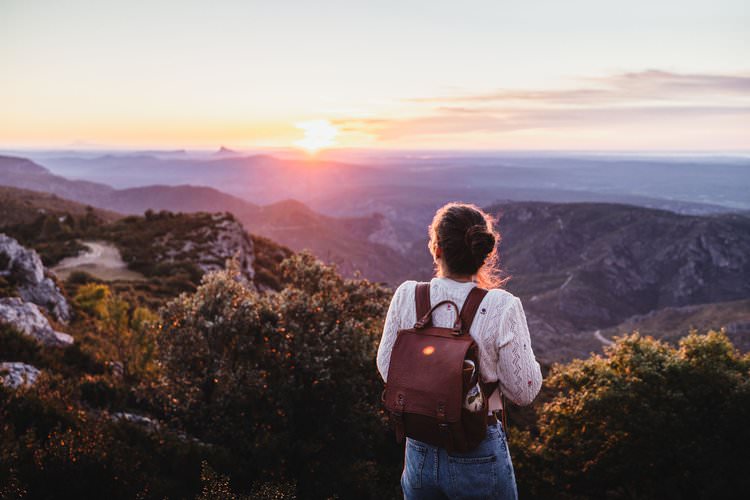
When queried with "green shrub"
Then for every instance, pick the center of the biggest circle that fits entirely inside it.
(52, 447)
(92, 298)
(644, 421)
(286, 381)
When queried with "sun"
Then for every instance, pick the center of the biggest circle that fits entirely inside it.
(319, 134)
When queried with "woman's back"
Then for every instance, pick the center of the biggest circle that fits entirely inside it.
(463, 243)
(499, 329)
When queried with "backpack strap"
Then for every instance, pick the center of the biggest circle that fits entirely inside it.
(422, 296)
(471, 306)
(468, 311)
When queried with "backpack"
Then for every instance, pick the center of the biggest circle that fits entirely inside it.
(434, 393)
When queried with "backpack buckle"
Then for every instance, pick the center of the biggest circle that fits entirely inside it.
(443, 426)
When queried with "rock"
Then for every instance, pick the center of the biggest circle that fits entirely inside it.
(133, 418)
(28, 319)
(15, 375)
(116, 368)
(23, 268)
(210, 246)
(231, 240)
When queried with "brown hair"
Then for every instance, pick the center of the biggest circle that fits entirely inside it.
(468, 240)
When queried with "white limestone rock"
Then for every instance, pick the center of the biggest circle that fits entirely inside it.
(146, 422)
(210, 246)
(14, 375)
(28, 319)
(23, 268)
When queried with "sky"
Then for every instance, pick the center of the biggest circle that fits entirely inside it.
(523, 74)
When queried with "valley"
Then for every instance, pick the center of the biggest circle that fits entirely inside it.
(584, 267)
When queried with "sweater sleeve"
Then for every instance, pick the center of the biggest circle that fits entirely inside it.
(518, 370)
(390, 329)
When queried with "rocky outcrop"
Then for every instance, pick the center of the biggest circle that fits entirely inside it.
(15, 375)
(23, 268)
(211, 245)
(28, 319)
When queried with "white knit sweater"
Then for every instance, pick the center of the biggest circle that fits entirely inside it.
(499, 329)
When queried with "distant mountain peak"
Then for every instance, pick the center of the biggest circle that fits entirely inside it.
(225, 151)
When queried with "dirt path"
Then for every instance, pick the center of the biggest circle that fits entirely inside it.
(103, 260)
(601, 338)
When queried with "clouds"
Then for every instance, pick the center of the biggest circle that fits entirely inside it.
(651, 84)
(682, 100)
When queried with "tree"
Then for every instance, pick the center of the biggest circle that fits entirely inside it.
(285, 380)
(645, 421)
(128, 330)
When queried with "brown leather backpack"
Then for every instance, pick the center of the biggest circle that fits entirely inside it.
(428, 381)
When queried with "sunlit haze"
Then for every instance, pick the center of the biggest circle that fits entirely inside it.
(319, 134)
(582, 74)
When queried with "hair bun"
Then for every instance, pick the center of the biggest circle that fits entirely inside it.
(479, 241)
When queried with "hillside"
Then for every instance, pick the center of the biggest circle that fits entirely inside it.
(367, 243)
(23, 206)
(174, 250)
(49, 224)
(260, 177)
(352, 243)
(578, 267)
(166, 244)
(175, 199)
(581, 267)
(671, 323)
(25, 174)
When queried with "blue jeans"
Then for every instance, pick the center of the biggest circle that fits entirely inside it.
(486, 472)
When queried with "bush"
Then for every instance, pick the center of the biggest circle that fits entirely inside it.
(644, 421)
(51, 447)
(123, 332)
(286, 380)
(92, 298)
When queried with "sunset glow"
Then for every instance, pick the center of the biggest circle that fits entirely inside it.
(254, 74)
(319, 134)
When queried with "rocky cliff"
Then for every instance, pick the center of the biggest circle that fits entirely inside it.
(23, 270)
(159, 243)
(211, 245)
(24, 293)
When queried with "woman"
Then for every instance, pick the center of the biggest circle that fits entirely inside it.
(463, 243)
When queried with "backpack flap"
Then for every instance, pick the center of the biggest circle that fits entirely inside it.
(422, 376)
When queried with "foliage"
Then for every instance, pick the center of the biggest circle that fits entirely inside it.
(285, 381)
(123, 332)
(55, 236)
(51, 447)
(58, 439)
(70, 360)
(645, 421)
(278, 392)
(92, 298)
(146, 241)
(268, 257)
(215, 486)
